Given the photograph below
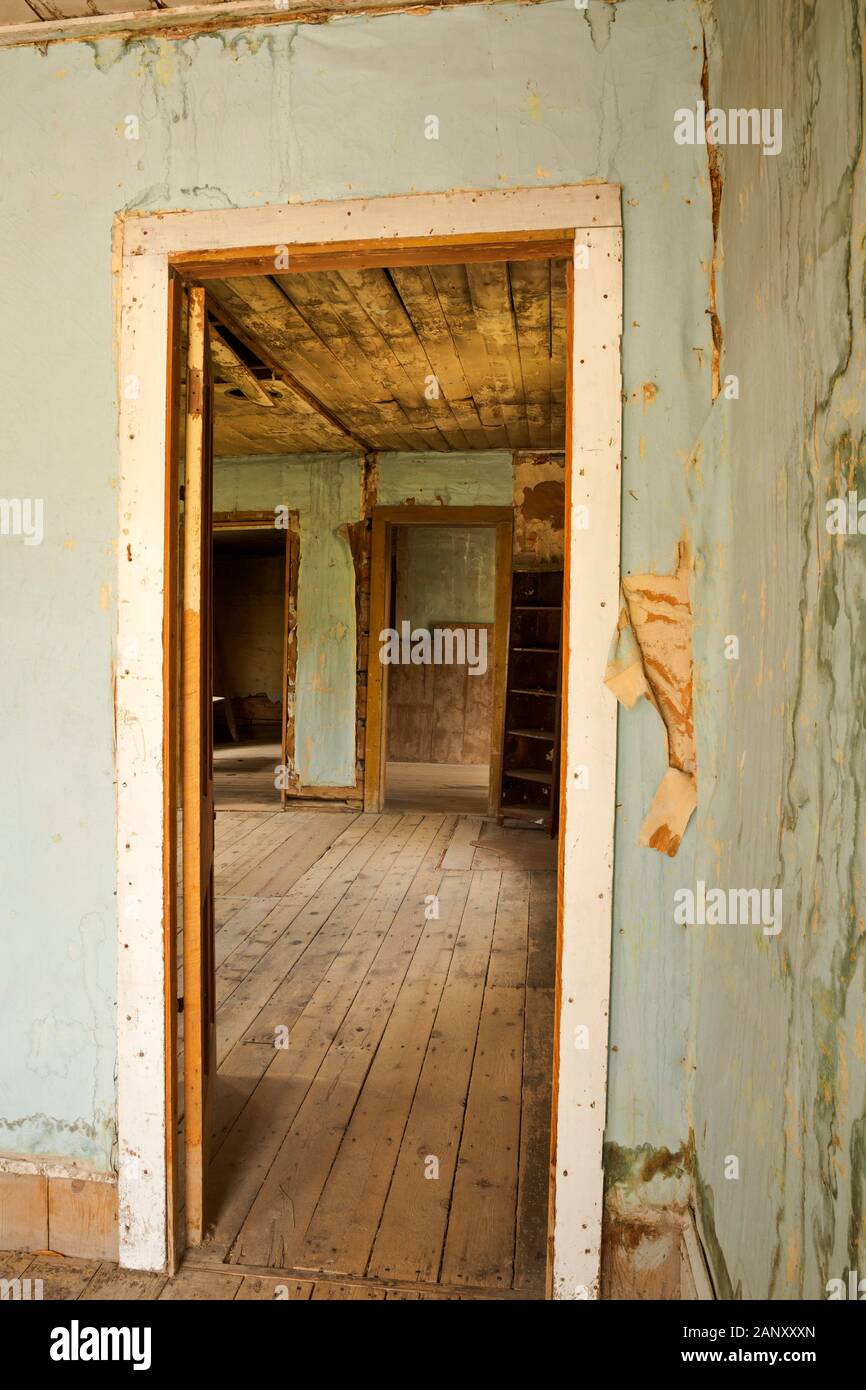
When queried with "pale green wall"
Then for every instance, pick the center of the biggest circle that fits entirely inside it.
(526, 95)
(483, 479)
(777, 1050)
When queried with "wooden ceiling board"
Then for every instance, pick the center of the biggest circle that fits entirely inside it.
(490, 291)
(260, 304)
(418, 293)
(288, 427)
(452, 289)
(376, 294)
(326, 300)
(17, 12)
(403, 382)
(558, 352)
(530, 296)
(439, 357)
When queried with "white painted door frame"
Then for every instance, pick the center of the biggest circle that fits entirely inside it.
(144, 245)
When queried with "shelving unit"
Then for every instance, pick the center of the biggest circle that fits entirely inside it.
(530, 750)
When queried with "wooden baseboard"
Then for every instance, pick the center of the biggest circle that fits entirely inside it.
(347, 794)
(71, 1216)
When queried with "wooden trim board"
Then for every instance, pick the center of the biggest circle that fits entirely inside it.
(70, 1216)
(373, 254)
(170, 753)
(588, 740)
(592, 559)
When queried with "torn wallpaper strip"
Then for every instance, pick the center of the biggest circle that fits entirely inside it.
(651, 656)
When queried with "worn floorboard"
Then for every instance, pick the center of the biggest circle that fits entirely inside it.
(385, 1036)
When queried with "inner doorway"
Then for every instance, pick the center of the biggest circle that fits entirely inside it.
(435, 695)
(379, 1056)
(439, 712)
(254, 588)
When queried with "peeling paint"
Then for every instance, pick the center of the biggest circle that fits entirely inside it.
(651, 657)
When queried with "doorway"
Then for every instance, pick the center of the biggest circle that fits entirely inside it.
(594, 337)
(440, 579)
(254, 628)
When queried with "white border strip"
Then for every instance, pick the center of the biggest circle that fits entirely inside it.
(377, 219)
(591, 736)
(141, 1039)
(590, 745)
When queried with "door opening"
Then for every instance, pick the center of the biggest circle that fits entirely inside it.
(341, 928)
(254, 640)
(439, 645)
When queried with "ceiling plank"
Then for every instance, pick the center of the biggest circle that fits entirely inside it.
(327, 303)
(418, 293)
(370, 337)
(243, 428)
(530, 295)
(558, 351)
(453, 292)
(378, 298)
(491, 300)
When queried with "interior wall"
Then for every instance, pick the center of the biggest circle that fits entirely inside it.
(277, 114)
(777, 1053)
(445, 575)
(539, 510)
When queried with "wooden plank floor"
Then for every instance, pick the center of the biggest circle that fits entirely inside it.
(384, 1027)
(384, 1037)
(72, 1280)
(436, 787)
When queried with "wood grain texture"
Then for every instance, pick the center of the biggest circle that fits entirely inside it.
(413, 990)
(82, 1218)
(197, 777)
(425, 354)
(23, 1211)
(441, 713)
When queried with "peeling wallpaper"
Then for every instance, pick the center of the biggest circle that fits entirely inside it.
(525, 95)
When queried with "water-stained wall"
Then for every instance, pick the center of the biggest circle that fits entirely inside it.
(525, 95)
(777, 1052)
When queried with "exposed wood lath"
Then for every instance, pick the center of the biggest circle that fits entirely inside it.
(438, 357)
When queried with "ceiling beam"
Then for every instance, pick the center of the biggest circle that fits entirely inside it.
(282, 374)
(235, 371)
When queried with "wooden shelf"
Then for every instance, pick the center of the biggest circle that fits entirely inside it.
(539, 815)
(529, 783)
